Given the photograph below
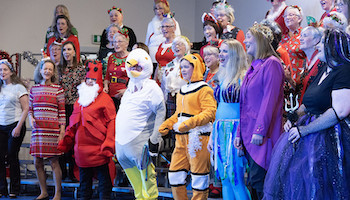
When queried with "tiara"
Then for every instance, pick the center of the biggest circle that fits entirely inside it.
(264, 30)
(114, 8)
(272, 25)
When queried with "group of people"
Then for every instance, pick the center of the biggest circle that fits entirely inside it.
(224, 106)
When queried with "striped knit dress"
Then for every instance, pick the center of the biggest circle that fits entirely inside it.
(46, 104)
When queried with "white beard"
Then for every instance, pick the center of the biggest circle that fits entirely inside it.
(87, 94)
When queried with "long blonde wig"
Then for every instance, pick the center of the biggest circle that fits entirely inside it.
(236, 67)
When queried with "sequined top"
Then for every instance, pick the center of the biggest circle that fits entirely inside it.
(69, 80)
(229, 95)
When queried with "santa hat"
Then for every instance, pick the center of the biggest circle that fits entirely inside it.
(94, 71)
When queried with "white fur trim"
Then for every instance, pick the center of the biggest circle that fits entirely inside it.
(194, 143)
(273, 15)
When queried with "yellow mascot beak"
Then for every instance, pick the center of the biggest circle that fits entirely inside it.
(130, 64)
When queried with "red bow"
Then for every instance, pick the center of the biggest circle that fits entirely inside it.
(124, 32)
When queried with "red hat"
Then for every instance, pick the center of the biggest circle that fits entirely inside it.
(94, 71)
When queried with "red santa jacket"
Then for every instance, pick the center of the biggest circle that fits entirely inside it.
(92, 132)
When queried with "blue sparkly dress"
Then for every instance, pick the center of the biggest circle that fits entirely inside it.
(318, 165)
(228, 166)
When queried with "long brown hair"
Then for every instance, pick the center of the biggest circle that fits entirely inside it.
(14, 78)
(70, 26)
(63, 63)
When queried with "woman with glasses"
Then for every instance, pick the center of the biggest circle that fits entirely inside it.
(225, 15)
(154, 36)
(116, 78)
(291, 40)
(165, 53)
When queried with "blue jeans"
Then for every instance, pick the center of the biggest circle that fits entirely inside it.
(10, 146)
(104, 181)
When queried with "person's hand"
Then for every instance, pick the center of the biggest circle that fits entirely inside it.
(106, 89)
(32, 122)
(120, 94)
(294, 135)
(16, 131)
(240, 152)
(287, 126)
(238, 143)
(287, 74)
(61, 135)
(210, 145)
(257, 139)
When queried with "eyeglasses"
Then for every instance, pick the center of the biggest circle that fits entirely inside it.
(166, 27)
(290, 15)
(55, 49)
(339, 4)
(118, 41)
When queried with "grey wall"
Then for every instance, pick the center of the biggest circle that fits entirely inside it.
(23, 23)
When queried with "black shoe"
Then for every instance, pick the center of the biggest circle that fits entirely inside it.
(45, 198)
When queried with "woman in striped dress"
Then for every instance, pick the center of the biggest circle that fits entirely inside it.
(47, 119)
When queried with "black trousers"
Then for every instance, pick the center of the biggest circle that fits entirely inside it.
(10, 146)
(67, 158)
(256, 178)
(104, 182)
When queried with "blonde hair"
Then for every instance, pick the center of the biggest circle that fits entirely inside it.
(64, 10)
(166, 6)
(210, 50)
(236, 66)
(264, 47)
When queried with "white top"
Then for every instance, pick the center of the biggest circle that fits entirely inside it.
(155, 36)
(142, 111)
(10, 107)
(171, 80)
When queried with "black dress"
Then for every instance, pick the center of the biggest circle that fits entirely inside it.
(131, 35)
(318, 165)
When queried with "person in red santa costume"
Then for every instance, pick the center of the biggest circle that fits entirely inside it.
(91, 130)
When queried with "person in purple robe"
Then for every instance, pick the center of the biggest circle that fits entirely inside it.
(261, 106)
